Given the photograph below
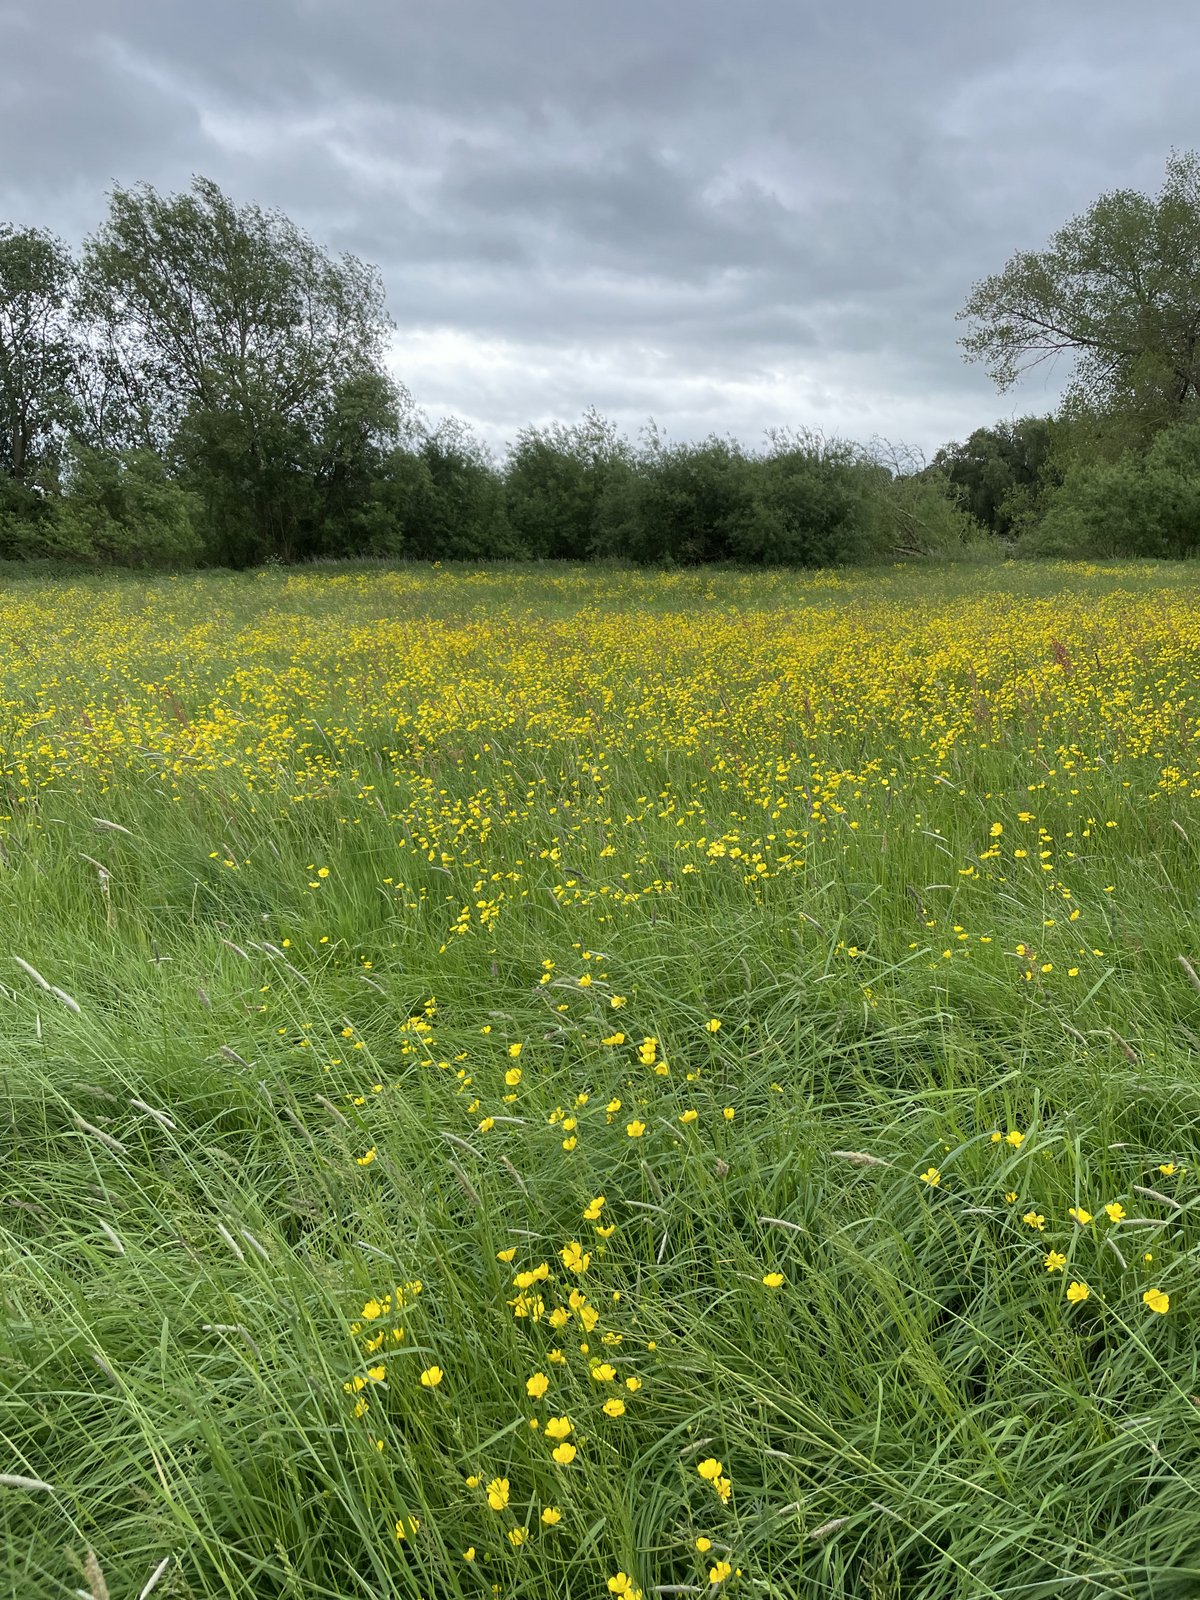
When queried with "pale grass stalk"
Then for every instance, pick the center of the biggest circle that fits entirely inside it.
(113, 1236)
(253, 1243)
(860, 1158)
(152, 1581)
(14, 1480)
(32, 972)
(513, 1174)
(826, 1529)
(462, 1144)
(231, 1241)
(465, 1184)
(231, 1327)
(97, 1587)
(113, 827)
(105, 1139)
(159, 1116)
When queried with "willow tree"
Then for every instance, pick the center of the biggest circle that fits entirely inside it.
(243, 353)
(1117, 293)
(36, 350)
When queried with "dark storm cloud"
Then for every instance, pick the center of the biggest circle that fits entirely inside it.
(728, 215)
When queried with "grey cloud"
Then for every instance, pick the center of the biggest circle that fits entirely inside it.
(717, 212)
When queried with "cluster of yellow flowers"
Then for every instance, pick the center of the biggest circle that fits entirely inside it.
(1154, 1298)
(466, 753)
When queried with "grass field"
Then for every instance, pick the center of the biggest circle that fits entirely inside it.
(576, 1083)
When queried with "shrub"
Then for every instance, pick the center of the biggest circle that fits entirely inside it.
(1143, 504)
(555, 481)
(122, 507)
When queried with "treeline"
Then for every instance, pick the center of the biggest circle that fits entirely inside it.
(206, 385)
(203, 384)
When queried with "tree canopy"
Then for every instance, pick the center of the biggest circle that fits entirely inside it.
(235, 346)
(37, 279)
(1117, 290)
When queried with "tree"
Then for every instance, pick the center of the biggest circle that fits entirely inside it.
(243, 353)
(555, 481)
(444, 499)
(1117, 290)
(1146, 503)
(36, 351)
(997, 469)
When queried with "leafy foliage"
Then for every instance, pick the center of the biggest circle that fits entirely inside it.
(1146, 503)
(247, 356)
(37, 351)
(1117, 290)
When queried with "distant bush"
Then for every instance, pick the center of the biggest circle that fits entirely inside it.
(919, 511)
(556, 480)
(1146, 503)
(683, 503)
(813, 504)
(444, 500)
(119, 507)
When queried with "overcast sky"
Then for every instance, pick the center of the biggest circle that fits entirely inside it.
(724, 215)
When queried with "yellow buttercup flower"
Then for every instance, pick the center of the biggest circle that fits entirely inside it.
(1156, 1300)
(574, 1257)
(1077, 1292)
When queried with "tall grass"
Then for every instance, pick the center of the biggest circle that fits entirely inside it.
(293, 866)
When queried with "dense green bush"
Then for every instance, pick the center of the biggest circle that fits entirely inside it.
(556, 480)
(447, 499)
(1143, 504)
(813, 505)
(121, 507)
(681, 503)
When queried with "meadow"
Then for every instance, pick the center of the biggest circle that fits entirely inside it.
(580, 1083)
